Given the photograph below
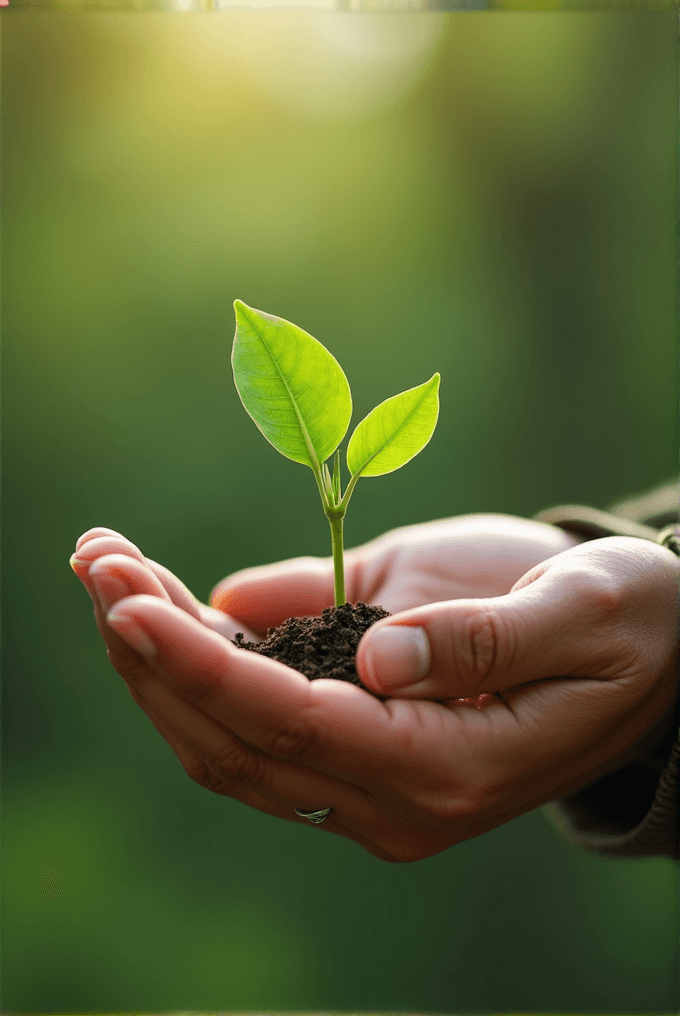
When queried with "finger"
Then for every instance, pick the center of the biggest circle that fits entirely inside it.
(92, 534)
(110, 579)
(223, 763)
(458, 775)
(178, 593)
(266, 596)
(204, 773)
(89, 550)
(218, 761)
(124, 572)
(114, 576)
(333, 726)
(226, 625)
(556, 626)
(329, 727)
(99, 542)
(221, 623)
(182, 597)
(466, 771)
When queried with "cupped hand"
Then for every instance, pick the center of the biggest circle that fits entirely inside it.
(578, 662)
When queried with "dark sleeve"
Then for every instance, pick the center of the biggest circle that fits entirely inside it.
(632, 812)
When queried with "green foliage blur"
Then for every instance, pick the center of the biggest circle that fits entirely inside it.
(492, 197)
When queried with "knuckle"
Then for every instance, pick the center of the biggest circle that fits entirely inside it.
(209, 779)
(236, 769)
(482, 646)
(601, 590)
(444, 811)
(242, 767)
(296, 740)
(453, 808)
(130, 666)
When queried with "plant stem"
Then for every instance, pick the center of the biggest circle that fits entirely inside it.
(335, 515)
(338, 562)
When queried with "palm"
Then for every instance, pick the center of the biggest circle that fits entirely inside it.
(464, 557)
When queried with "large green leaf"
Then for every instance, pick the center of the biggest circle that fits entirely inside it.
(395, 431)
(292, 387)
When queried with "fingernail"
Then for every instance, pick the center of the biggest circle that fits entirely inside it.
(85, 538)
(108, 588)
(131, 632)
(398, 655)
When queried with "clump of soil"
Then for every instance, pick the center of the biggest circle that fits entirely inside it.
(323, 646)
(326, 646)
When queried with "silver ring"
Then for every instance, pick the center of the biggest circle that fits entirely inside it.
(317, 817)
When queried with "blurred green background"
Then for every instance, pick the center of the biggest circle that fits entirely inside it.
(490, 196)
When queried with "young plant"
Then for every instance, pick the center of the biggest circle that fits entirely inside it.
(298, 396)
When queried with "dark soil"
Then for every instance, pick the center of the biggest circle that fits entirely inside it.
(323, 646)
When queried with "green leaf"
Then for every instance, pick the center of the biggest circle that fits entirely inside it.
(291, 386)
(395, 431)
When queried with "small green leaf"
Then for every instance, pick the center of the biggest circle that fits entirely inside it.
(327, 482)
(395, 431)
(291, 386)
(336, 476)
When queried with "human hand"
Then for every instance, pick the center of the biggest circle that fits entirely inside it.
(585, 644)
(604, 616)
(406, 779)
(470, 555)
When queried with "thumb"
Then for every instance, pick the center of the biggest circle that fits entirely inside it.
(554, 626)
(264, 597)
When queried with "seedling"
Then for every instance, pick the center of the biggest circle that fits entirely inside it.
(299, 397)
